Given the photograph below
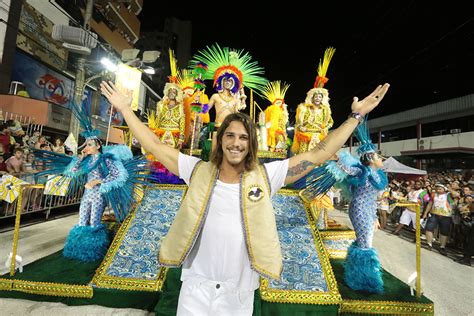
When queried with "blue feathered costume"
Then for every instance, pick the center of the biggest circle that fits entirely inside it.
(121, 178)
(362, 183)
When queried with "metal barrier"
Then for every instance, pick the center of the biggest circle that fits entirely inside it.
(27, 122)
(34, 200)
(416, 206)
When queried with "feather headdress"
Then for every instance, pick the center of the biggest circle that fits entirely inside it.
(85, 121)
(321, 78)
(275, 90)
(362, 134)
(223, 62)
(185, 79)
(173, 77)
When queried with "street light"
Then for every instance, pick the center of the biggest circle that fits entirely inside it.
(149, 70)
(108, 64)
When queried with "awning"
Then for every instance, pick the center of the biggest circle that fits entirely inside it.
(393, 166)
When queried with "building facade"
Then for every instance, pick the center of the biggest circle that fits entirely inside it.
(434, 137)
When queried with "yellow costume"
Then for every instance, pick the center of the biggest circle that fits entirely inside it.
(316, 123)
(169, 122)
(186, 81)
(276, 115)
(313, 117)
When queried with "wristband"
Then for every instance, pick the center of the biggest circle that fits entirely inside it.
(357, 116)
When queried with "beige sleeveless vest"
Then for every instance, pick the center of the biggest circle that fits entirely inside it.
(258, 220)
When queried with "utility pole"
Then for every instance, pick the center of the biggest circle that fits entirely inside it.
(80, 73)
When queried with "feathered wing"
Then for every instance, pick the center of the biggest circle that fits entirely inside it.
(68, 167)
(320, 180)
(130, 180)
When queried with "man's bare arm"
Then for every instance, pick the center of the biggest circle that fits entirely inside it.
(300, 165)
(166, 155)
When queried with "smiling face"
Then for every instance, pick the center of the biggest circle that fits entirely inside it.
(317, 98)
(235, 144)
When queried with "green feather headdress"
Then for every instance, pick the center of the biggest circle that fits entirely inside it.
(223, 61)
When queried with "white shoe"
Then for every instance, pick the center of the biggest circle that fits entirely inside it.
(18, 263)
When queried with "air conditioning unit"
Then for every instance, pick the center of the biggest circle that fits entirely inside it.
(455, 131)
(77, 49)
(75, 39)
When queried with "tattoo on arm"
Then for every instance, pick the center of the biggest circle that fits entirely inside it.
(299, 168)
(322, 145)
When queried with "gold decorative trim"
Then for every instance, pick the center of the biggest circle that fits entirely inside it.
(195, 152)
(386, 307)
(47, 288)
(306, 297)
(271, 154)
(336, 254)
(6, 284)
(102, 280)
(337, 234)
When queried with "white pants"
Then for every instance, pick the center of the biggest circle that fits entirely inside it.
(203, 297)
(408, 217)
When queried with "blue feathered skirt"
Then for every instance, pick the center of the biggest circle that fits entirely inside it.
(362, 271)
(87, 243)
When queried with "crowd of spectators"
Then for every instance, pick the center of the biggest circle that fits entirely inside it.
(446, 210)
(17, 154)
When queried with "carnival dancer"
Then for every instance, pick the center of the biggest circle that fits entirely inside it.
(170, 118)
(362, 178)
(110, 176)
(195, 117)
(276, 115)
(313, 117)
(231, 70)
(221, 254)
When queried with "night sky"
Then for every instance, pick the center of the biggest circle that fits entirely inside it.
(424, 50)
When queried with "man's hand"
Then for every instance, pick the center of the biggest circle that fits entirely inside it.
(371, 101)
(119, 100)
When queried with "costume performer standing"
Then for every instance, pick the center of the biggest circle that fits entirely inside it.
(363, 178)
(231, 70)
(276, 115)
(313, 117)
(110, 175)
(195, 117)
(170, 118)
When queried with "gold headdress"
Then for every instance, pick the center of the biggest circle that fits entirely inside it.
(275, 90)
(321, 78)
